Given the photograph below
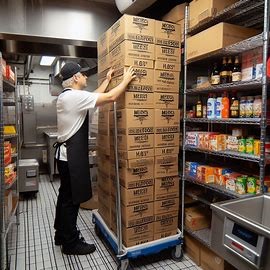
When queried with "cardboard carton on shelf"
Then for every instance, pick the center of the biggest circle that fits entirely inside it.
(193, 249)
(164, 234)
(200, 10)
(167, 117)
(196, 218)
(166, 100)
(167, 66)
(165, 225)
(135, 62)
(182, 25)
(210, 260)
(215, 38)
(165, 206)
(104, 63)
(175, 14)
(131, 28)
(166, 187)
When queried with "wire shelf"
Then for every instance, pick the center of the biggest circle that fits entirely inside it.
(202, 235)
(225, 153)
(197, 198)
(9, 136)
(245, 85)
(244, 12)
(242, 121)
(8, 86)
(217, 188)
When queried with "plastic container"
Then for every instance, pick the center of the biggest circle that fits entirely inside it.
(225, 111)
(250, 145)
(242, 145)
(218, 107)
(211, 107)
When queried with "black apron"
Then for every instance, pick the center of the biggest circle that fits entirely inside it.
(78, 164)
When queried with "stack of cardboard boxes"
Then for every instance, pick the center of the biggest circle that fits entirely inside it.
(147, 125)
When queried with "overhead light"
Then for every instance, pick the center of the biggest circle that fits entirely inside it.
(46, 60)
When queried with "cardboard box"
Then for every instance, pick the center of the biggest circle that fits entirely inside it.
(167, 150)
(216, 38)
(210, 260)
(200, 10)
(104, 205)
(138, 235)
(103, 45)
(167, 79)
(166, 187)
(167, 54)
(136, 100)
(104, 180)
(164, 234)
(142, 83)
(136, 118)
(175, 14)
(167, 66)
(132, 49)
(166, 100)
(135, 170)
(91, 204)
(104, 164)
(129, 142)
(206, 174)
(165, 225)
(196, 218)
(127, 61)
(167, 34)
(166, 140)
(162, 130)
(104, 63)
(167, 117)
(137, 214)
(166, 165)
(182, 25)
(131, 28)
(165, 206)
(136, 195)
(145, 153)
(193, 249)
(217, 142)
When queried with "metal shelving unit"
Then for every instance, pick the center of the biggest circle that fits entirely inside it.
(246, 13)
(7, 219)
(236, 121)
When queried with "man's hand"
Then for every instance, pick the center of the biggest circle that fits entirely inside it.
(109, 74)
(129, 75)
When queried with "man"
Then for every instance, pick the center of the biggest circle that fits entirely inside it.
(73, 105)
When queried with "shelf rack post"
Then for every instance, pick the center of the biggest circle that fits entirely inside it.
(262, 162)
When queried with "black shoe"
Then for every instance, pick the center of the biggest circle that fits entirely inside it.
(79, 248)
(58, 238)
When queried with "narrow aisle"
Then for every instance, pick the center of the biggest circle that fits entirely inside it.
(32, 242)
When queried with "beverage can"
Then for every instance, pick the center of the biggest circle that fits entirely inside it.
(250, 145)
(242, 145)
(251, 185)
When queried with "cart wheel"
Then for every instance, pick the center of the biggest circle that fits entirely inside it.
(97, 231)
(123, 265)
(177, 253)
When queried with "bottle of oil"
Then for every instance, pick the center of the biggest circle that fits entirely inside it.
(234, 107)
(224, 72)
(199, 110)
(215, 76)
(236, 72)
(230, 68)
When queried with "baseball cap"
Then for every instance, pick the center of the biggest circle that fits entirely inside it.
(71, 68)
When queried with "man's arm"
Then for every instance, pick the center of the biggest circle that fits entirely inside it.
(102, 88)
(112, 95)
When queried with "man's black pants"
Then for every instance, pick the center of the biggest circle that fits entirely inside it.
(66, 214)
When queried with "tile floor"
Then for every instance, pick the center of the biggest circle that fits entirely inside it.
(32, 247)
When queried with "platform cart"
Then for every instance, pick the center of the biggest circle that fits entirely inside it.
(123, 253)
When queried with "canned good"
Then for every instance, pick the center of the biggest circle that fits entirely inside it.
(251, 185)
(241, 184)
(257, 147)
(250, 145)
(242, 145)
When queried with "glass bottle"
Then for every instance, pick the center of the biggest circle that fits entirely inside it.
(236, 72)
(198, 110)
(230, 68)
(215, 77)
(224, 72)
(234, 108)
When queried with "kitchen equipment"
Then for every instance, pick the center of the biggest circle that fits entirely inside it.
(28, 175)
(241, 231)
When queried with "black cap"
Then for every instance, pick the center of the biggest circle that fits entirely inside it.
(71, 68)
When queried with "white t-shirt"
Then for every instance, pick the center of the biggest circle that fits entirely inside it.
(72, 107)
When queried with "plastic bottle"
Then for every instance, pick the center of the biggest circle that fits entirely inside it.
(218, 107)
(225, 111)
(211, 106)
